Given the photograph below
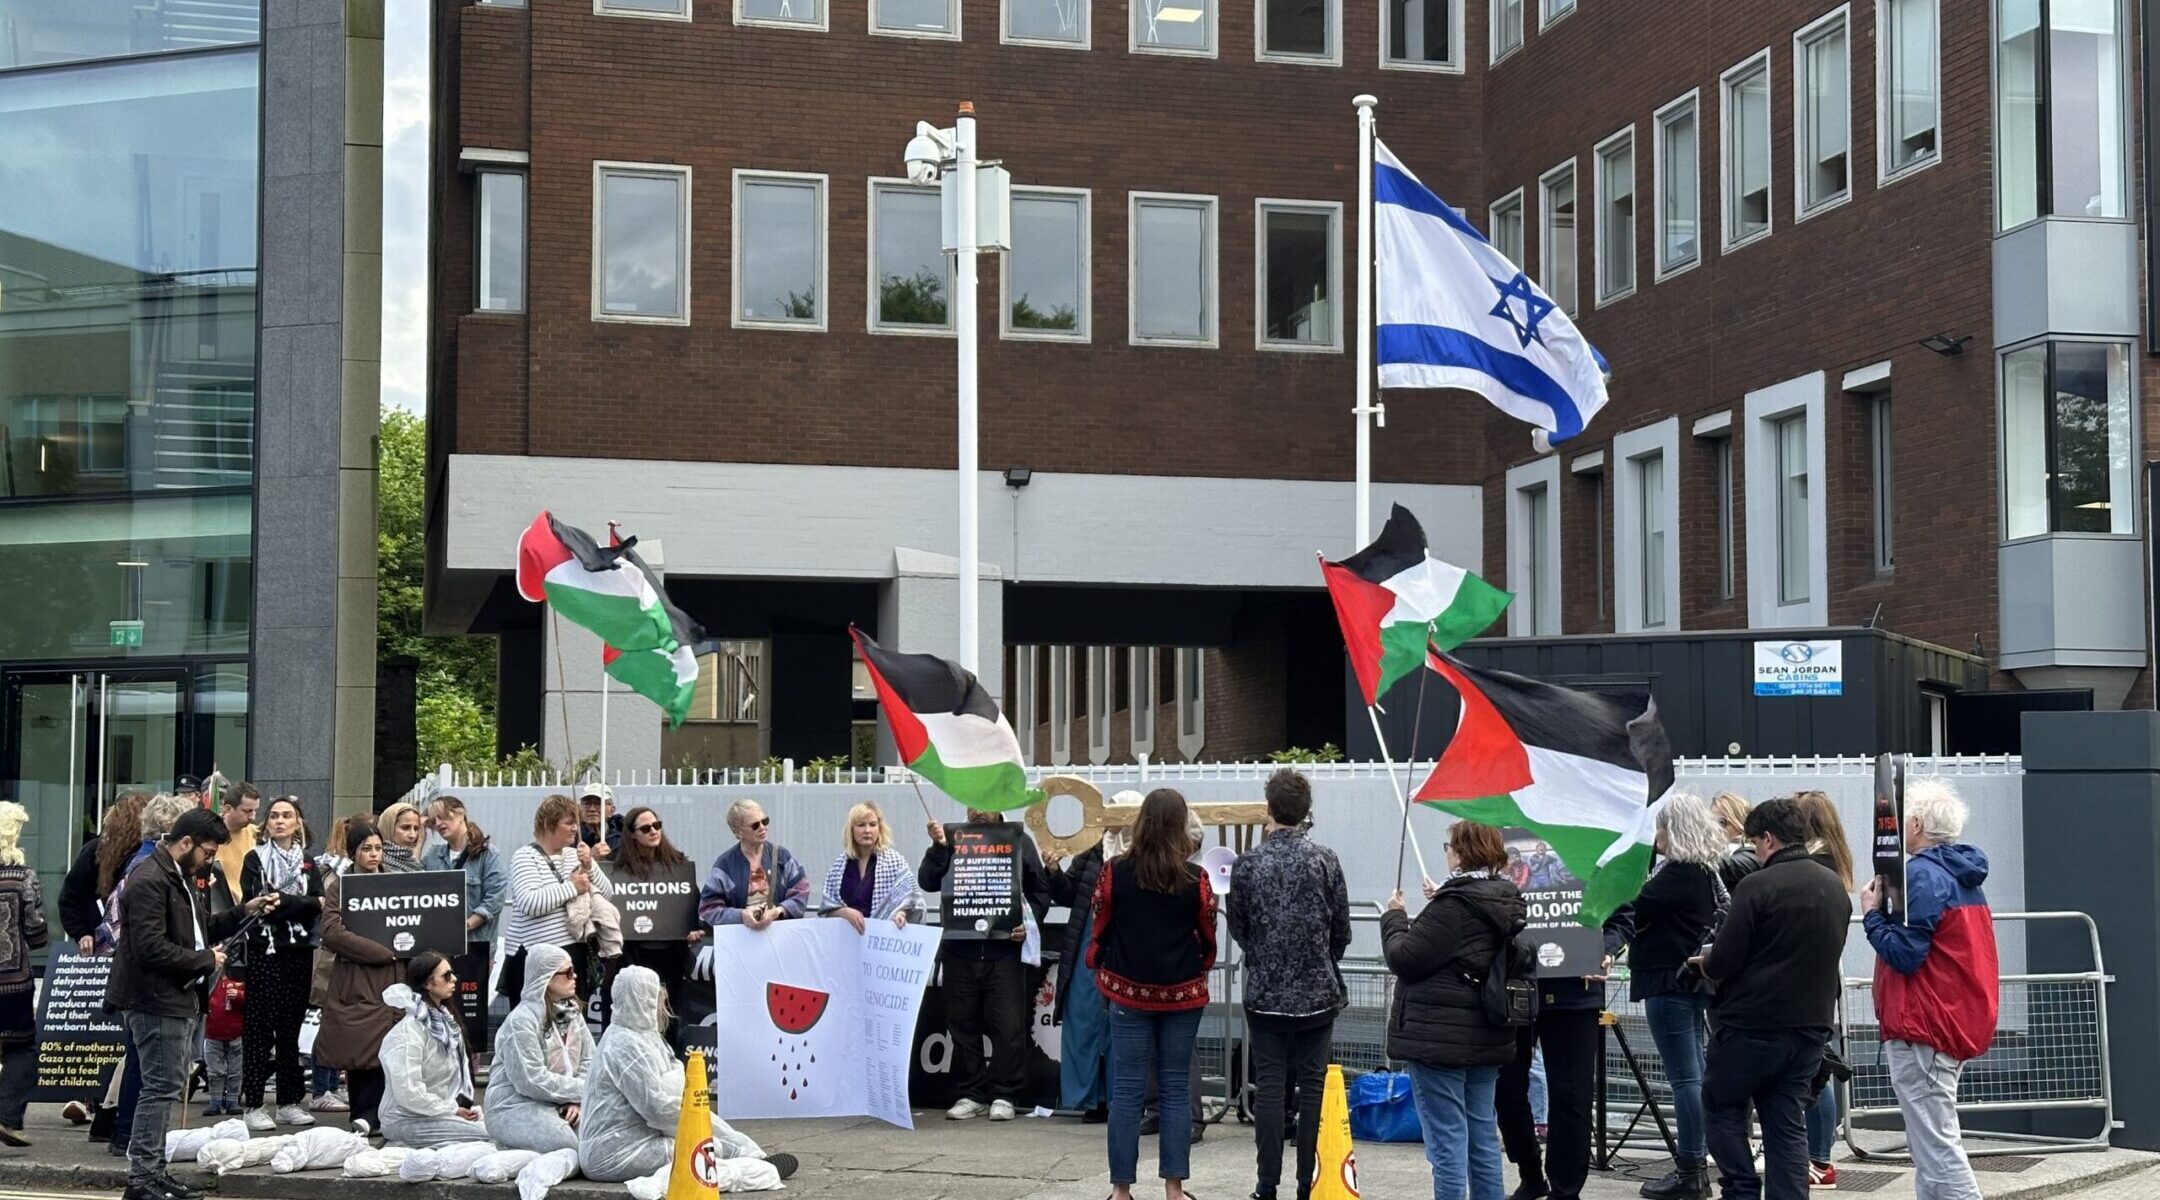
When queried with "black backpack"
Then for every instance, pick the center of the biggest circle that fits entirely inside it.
(1509, 988)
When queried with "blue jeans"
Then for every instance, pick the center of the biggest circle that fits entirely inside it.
(1676, 1026)
(1538, 1094)
(165, 1046)
(1462, 1130)
(1822, 1124)
(1164, 1041)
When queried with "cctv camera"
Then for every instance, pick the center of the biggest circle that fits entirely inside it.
(924, 156)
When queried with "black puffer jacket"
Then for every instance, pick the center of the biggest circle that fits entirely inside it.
(1073, 885)
(1439, 962)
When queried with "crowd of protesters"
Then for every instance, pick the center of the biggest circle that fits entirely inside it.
(225, 925)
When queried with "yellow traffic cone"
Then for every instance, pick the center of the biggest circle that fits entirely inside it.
(1335, 1175)
(696, 1171)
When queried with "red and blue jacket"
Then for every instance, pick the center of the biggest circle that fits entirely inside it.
(1936, 978)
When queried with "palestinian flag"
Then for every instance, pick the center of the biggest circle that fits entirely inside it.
(591, 585)
(1393, 596)
(665, 675)
(948, 729)
(1579, 769)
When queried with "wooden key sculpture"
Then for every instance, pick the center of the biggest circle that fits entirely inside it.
(1099, 814)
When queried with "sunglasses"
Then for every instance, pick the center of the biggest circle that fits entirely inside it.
(654, 827)
(566, 973)
(761, 823)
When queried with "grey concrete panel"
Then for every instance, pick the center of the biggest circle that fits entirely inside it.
(2066, 276)
(288, 60)
(288, 14)
(300, 277)
(302, 402)
(2072, 600)
(326, 100)
(296, 559)
(292, 696)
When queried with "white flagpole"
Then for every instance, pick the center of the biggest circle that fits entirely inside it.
(605, 681)
(1364, 409)
(1401, 799)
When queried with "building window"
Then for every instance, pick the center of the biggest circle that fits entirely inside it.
(1142, 673)
(1047, 23)
(1556, 235)
(1908, 85)
(1822, 137)
(1646, 513)
(663, 10)
(1879, 464)
(2059, 110)
(1505, 221)
(1422, 34)
(779, 250)
(501, 267)
(1616, 216)
(916, 18)
(2068, 448)
(1745, 118)
(794, 14)
(1101, 703)
(1596, 487)
(1552, 10)
(1191, 701)
(1721, 465)
(1025, 675)
(1679, 186)
(1300, 275)
(1047, 271)
(1507, 34)
(1787, 506)
(1060, 705)
(1173, 27)
(910, 274)
(730, 684)
(1650, 539)
(1173, 270)
(641, 243)
(1297, 30)
(1789, 439)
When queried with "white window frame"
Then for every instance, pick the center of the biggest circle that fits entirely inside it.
(600, 169)
(1334, 211)
(1727, 198)
(682, 13)
(1101, 705)
(1605, 294)
(1716, 429)
(1544, 473)
(482, 239)
(1884, 126)
(1691, 103)
(1545, 232)
(1191, 718)
(1025, 666)
(1086, 332)
(1213, 205)
(1455, 64)
(952, 12)
(1513, 200)
(1631, 449)
(1143, 672)
(822, 24)
(1134, 21)
(1061, 705)
(1331, 58)
(1552, 12)
(1007, 37)
(1494, 52)
(824, 243)
(1841, 19)
(1763, 408)
(870, 280)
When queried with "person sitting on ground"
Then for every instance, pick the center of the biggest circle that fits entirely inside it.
(428, 1088)
(870, 881)
(538, 1077)
(633, 1099)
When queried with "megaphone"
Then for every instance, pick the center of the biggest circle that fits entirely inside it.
(1217, 860)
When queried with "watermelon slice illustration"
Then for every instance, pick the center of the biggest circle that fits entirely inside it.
(794, 1009)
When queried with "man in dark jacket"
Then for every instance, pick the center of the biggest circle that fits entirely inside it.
(1289, 912)
(985, 986)
(1776, 964)
(170, 946)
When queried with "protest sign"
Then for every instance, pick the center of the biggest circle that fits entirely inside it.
(407, 913)
(78, 1042)
(1889, 833)
(982, 887)
(815, 1020)
(1552, 896)
(660, 909)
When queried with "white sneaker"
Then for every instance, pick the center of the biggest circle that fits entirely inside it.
(261, 1120)
(327, 1102)
(293, 1114)
(361, 1127)
(966, 1110)
(1001, 1110)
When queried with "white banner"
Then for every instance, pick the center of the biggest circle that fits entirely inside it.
(815, 1020)
(1800, 668)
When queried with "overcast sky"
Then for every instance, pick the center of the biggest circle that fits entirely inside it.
(405, 171)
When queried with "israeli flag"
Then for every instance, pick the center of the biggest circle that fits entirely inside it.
(1455, 313)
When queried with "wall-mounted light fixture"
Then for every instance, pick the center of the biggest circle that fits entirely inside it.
(1018, 477)
(1944, 344)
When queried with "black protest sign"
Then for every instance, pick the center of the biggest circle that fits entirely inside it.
(982, 887)
(78, 1042)
(1553, 898)
(662, 908)
(1889, 833)
(408, 913)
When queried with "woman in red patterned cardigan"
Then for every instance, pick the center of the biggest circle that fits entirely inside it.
(1154, 944)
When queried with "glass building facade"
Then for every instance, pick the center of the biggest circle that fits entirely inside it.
(130, 170)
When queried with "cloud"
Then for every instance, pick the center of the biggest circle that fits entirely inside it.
(405, 217)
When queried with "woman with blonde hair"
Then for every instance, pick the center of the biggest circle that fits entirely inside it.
(22, 930)
(404, 828)
(1731, 810)
(546, 875)
(1677, 912)
(870, 881)
(1828, 845)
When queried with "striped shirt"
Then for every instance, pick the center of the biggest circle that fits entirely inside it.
(535, 912)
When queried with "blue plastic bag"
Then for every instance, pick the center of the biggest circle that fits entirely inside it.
(1381, 1109)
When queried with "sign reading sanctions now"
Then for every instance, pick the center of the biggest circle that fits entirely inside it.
(407, 913)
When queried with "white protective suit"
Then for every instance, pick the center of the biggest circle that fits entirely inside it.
(421, 1083)
(542, 1052)
(633, 1092)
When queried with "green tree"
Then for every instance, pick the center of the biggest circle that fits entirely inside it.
(1026, 316)
(918, 299)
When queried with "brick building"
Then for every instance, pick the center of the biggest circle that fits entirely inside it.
(680, 282)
